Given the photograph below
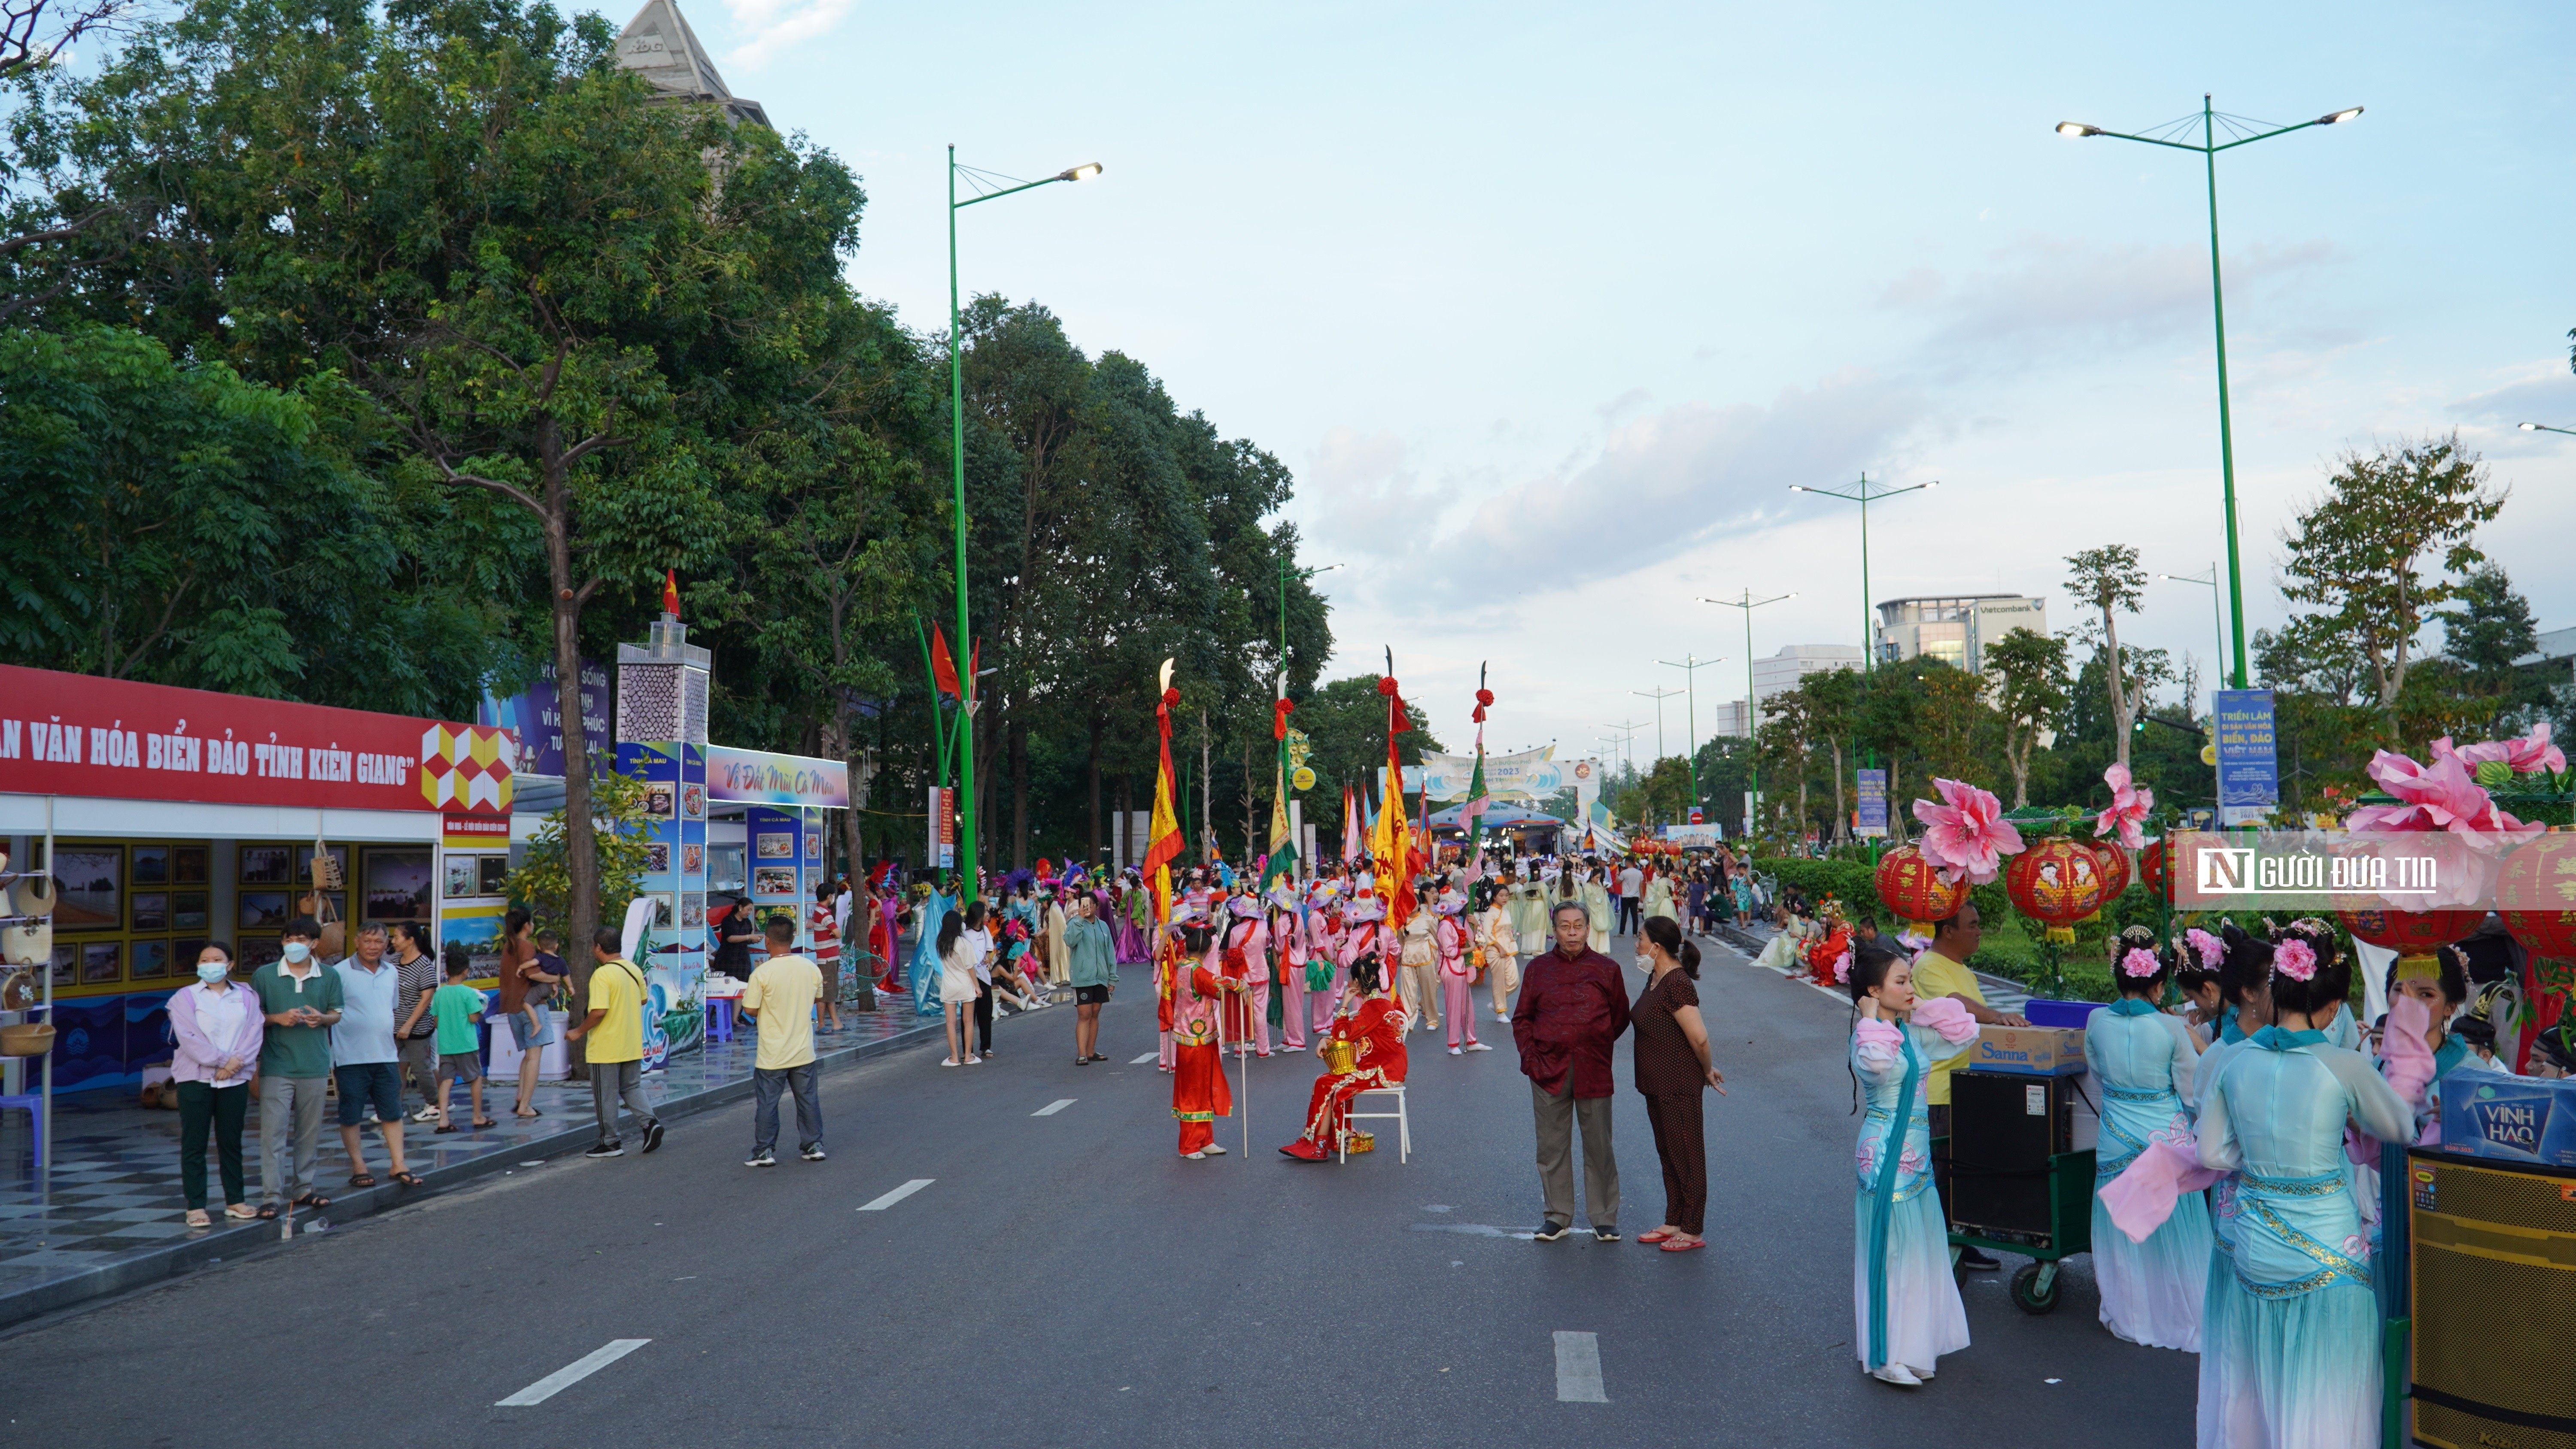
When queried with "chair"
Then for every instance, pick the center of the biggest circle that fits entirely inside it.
(34, 1102)
(1403, 1123)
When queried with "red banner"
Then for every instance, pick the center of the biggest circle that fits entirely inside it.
(76, 734)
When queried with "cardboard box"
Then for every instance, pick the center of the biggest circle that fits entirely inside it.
(2030, 1051)
(2510, 1119)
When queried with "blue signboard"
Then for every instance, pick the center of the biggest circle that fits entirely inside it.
(1873, 804)
(2249, 770)
(537, 715)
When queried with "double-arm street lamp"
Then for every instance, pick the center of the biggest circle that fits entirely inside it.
(2217, 632)
(1865, 493)
(957, 460)
(1690, 665)
(1752, 750)
(2241, 132)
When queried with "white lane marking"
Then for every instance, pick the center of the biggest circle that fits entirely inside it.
(1578, 1369)
(572, 1373)
(1147, 1057)
(1058, 1105)
(896, 1196)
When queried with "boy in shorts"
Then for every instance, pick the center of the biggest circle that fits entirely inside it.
(457, 1007)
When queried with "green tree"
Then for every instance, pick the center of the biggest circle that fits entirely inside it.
(2030, 695)
(2109, 580)
(2359, 553)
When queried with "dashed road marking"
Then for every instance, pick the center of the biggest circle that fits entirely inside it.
(1578, 1369)
(1147, 1057)
(896, 1196)
(1051, 1108)
(572, 1373)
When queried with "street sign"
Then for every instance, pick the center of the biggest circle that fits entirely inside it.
(1872, 818)
(2249, 772)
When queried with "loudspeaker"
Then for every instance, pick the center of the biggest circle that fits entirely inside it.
(2004, 1128)
(2494, 1289)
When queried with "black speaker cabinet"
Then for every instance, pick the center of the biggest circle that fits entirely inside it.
(2004, 1128)
(2494, 1289)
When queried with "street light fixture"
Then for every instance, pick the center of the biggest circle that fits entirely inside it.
(957, 457)
(1752, 750)
(1864, 494)
(1658, 696)
(2243, 133)
(2211, 584)
(2546, 428)
(1628, 745)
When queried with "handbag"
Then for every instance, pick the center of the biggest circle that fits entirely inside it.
(1319, 974)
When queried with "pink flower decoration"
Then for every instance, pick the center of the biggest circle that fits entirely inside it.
(2527, 754)
(2138, 962)
(1842, 969)
(2207, 947)
(2128, 810)
(2295, 959)
(2440, 796)
(1966, 835)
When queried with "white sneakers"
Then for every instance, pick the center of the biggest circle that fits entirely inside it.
(1477, 1046)
(1897, 1374)
(1213, 1150)
(1455, 1052)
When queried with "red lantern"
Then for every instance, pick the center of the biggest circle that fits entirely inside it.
(2115, 868)
(2409, 933)
(1914, 892)
(2057, 883)
(2537, 890)
(2155, 868)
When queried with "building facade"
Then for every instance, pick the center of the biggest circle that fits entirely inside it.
(1954, 628)
(1780, 673)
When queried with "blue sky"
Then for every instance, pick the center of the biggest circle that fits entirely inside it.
(1547, 307)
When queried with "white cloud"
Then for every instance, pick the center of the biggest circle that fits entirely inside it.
(769, 27)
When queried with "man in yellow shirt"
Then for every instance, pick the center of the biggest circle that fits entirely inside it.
(615, 1029)
(779, 999)
(1942, 971)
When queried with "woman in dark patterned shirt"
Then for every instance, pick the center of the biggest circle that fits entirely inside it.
(1672, 1066)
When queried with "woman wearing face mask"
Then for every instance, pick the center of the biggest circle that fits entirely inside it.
(218, 1027)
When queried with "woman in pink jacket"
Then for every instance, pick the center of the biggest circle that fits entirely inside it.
(218, 1026)
(1288, 965)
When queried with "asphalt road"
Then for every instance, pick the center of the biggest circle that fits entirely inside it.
(1066, 1279)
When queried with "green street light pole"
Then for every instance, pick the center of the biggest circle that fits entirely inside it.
(2209, 146)
(957, 458)
(1752, 753)
(1690, 666)
(1658, 696)
(1864, 493)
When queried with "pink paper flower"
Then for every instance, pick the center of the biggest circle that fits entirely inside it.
(2443, 795)
(2526, 754)
(2139, 962)
(1842, 969)
(2295, 959)
(1966, 835)
(2207, 947)
(2129, 807)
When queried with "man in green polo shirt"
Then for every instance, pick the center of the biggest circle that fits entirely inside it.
(301, 1002)
(1942, 971)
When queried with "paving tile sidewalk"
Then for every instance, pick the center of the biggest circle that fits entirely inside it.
(107, 1213)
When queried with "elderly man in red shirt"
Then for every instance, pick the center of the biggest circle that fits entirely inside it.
(1573, 1005)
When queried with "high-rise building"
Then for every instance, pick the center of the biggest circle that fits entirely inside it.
(1954, 628)
(1780, 673)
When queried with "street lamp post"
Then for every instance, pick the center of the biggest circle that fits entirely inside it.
(1864, 493)
(2546, 428)
(1690, 666)
(957, 459)
(2217, 630)
(1628, 742)
(2209, 146)
(1752, 750)
(1658, 696)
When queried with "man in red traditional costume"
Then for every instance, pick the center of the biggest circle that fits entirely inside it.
(1376, 1025)
(1199, 1093)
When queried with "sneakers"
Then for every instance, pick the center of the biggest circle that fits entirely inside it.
(812, 1154)
(610, 1148)
(1549, 1232)
(652, 1133)
(1193, 1156)
(425, 1114)
(1601, 1234)
(1896, 1373)
(763, 1158)
(1477, 1046)
(1213, 1150)
(1455, 1052)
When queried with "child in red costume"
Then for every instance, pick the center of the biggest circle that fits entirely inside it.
(1377, 1025)
(1199, 1094)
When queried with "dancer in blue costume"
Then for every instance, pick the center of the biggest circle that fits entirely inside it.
(1905, 1303)
(2144, 1062)
(2245, 996)
(2303, 1357)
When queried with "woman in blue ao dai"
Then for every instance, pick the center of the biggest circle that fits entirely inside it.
(1906, 1305)
(2143, 1061)
(2302, 1353)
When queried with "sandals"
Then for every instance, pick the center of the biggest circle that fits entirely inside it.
(1678, 1245)
(239, 1212)
(405, 1179)
(313, 1200)
(267, 1212)
(450, 1127)
(531, 1112)
(1655, 1236)
(363, 1179)
(482, 1122)
(197, 1218)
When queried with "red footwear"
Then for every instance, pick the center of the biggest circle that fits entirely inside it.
(1652, 1237)
(1305, 1151)
(1678, 1246)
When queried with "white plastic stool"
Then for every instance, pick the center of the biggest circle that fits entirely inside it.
(1403, 1124)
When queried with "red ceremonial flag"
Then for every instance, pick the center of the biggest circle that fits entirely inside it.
(942, 667)
(1163, 842)
(671, 592)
